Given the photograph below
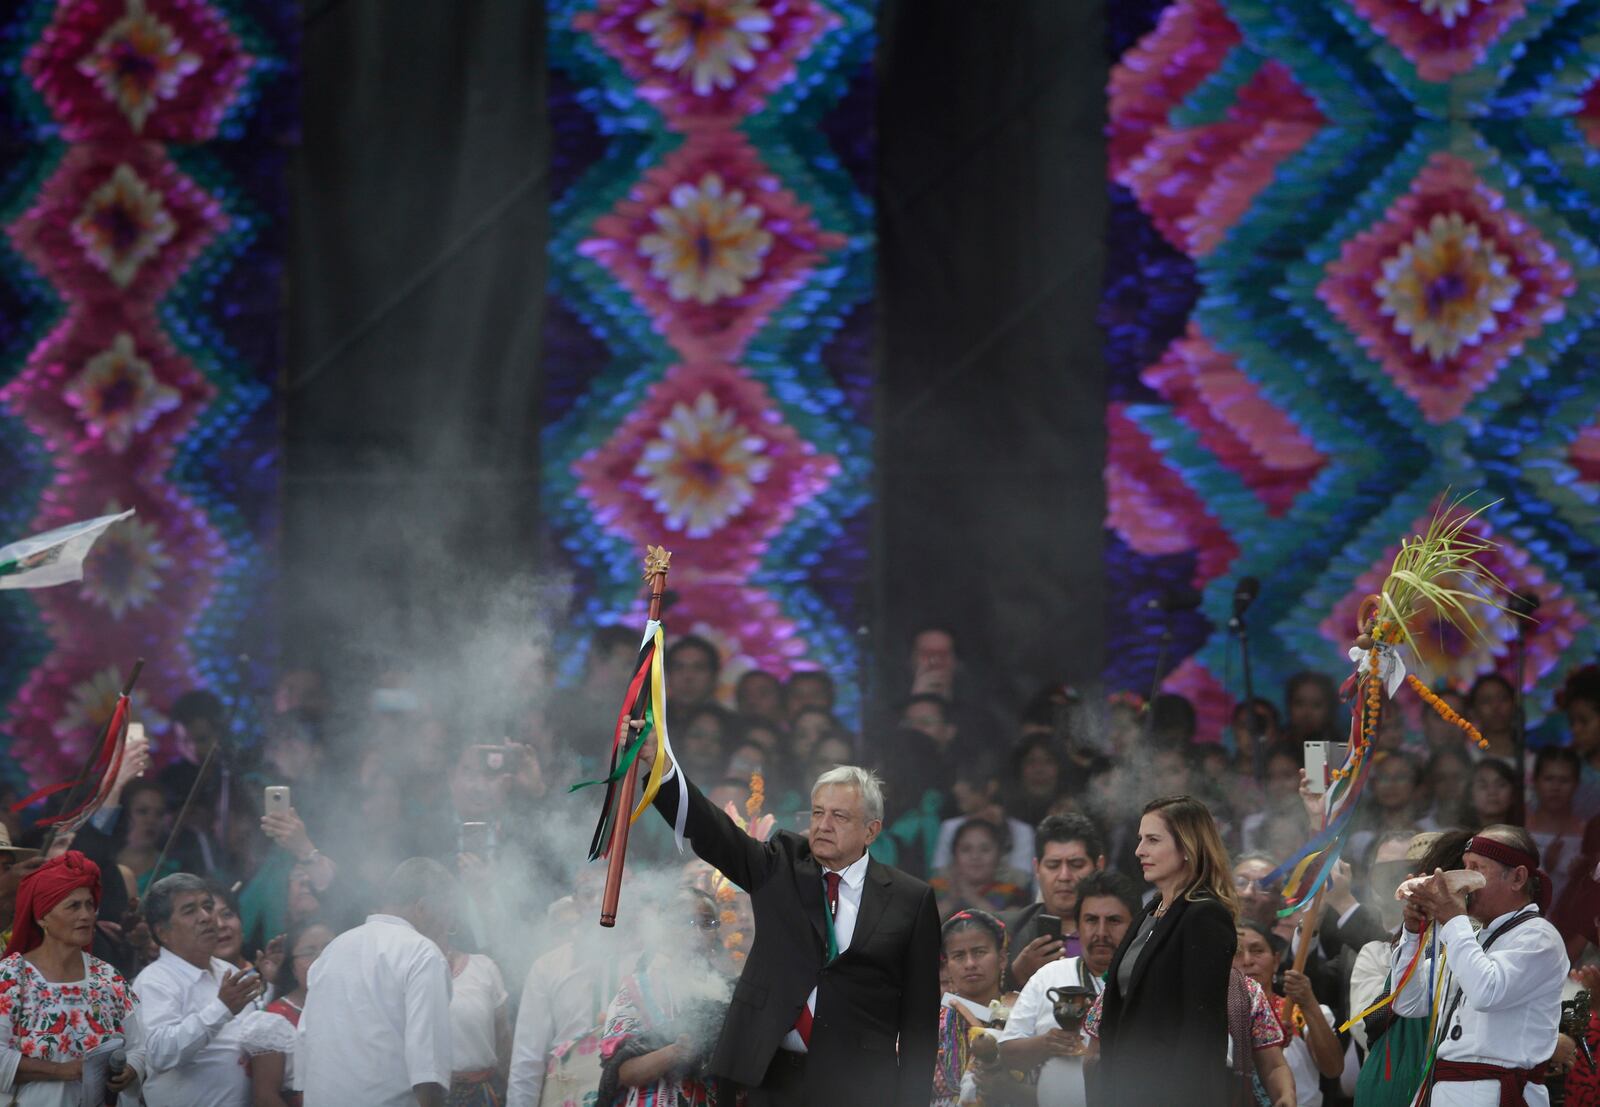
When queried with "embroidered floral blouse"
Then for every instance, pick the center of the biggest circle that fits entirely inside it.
(45, 1021)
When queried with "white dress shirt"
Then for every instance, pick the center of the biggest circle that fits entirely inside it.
(1510, 1001)
(377, 1018)
(1061, 1078)
(192, 1042)
(852, 879)
(566, 993)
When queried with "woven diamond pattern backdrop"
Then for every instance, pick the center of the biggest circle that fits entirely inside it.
(1354, 263)
(708, 336)
(142, 197)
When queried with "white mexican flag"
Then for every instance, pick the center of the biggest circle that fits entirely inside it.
(54, 557)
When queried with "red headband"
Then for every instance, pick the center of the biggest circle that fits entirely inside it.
(1511, 857)
(43, 889)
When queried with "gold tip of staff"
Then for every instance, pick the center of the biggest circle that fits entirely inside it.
(656, 560)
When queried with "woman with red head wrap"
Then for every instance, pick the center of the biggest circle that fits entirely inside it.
(58, 1003)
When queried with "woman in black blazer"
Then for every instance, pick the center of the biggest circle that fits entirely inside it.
(1164, 1022)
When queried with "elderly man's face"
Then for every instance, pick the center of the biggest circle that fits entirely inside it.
(840, 830)
(192, 932)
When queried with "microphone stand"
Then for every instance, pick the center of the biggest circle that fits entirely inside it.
(1252, 721)
(1522, 607)
(1159, 675)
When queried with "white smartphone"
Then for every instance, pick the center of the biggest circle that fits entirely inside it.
(277, 801)
(1323, 759)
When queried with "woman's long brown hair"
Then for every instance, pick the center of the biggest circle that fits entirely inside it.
(1191, 824)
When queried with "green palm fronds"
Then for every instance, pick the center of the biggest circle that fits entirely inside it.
(1440, 571)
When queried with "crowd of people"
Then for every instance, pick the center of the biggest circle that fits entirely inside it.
(409, 918)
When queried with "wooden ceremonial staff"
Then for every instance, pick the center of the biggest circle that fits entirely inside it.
(1306, 932)
(183, 812)
(656, 570)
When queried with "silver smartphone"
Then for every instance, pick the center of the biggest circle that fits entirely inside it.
(1323, 759)
(277, 799)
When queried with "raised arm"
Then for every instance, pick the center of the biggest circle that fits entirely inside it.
(715, 838)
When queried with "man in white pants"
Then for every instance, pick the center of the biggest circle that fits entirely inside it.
(1502, 996)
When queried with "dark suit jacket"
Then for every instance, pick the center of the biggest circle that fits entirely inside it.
(1166, 1039)
(874, 1040)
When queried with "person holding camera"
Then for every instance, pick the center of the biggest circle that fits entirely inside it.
(659, 1029)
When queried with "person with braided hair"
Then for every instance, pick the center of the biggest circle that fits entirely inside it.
(974, 950)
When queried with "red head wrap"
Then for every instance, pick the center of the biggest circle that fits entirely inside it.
(39, 894)
(1511, 857)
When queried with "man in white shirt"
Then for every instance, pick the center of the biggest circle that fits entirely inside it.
(1106, 905)
(566, 992)
(188, 1002)
(376, 1027)
(1502, 998)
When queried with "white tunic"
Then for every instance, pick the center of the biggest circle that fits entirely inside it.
(192, 1043)
(477, 996)
(1061, 1078)
(565, 994)
(1510, 1001)
(377, 1018)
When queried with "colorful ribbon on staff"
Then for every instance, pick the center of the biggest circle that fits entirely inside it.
(102, 770)
(646, 698)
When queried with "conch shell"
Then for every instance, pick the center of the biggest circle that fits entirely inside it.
(1460, 882)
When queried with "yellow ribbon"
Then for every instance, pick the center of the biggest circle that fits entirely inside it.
(658, 715)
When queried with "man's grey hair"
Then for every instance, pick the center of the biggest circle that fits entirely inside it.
(162, 897)
(864, 781)
(416, 880)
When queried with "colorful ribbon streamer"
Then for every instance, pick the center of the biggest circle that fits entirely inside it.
(646, 698)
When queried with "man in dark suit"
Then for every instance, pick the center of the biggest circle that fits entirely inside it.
(838, 1004)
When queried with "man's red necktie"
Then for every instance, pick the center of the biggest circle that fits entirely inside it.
(802, 1024)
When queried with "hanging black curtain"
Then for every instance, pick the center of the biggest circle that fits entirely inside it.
(417, 292)
(991, 436)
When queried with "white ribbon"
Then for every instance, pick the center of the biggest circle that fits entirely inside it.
(1391, 665)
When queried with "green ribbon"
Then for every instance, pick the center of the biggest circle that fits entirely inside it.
(626, 761)
(7, 568)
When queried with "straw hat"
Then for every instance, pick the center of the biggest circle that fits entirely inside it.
(14, 853)
(1386, 876)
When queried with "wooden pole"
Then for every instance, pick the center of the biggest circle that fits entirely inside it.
(655, 568)
(1305, 934)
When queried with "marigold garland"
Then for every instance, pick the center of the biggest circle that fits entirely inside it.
(1445, 711)
(758, 796)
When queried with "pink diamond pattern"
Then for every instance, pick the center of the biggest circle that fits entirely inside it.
(1448, 187)
(166, 70)
(618, 479)
(707, 62)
